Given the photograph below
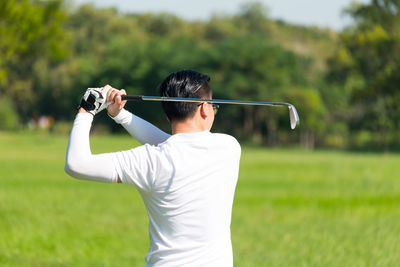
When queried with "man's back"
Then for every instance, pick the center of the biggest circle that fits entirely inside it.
(187, 184)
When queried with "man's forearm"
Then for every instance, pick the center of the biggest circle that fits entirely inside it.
(143, 131)
(80, 163)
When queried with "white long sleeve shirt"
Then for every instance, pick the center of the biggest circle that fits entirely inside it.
(187, 184)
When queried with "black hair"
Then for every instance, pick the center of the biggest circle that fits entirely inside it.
(188, 84)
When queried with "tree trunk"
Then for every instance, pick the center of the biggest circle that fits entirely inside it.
(307, 139)
(248, 121)
(257, 133)
(272, 131)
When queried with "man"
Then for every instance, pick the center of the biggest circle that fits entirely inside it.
(187, 180)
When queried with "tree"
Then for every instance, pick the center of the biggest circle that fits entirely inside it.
(253, 67)
(368, 64)
(29, 30)
(313, 113)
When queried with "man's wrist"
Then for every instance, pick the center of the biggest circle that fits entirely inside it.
(113, 115)
(122, 117)
(82, 110)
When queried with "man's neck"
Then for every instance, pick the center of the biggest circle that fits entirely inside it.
(187, 126)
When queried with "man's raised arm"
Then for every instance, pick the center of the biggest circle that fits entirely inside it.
(143, 131)
(80, 162)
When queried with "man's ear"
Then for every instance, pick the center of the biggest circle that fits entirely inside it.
(203, 112)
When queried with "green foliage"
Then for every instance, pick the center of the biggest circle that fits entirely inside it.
(136, 52)
(342, 84)
(8, 115)
(313, 113)
(253, 67)
(368, 65)
(30, 28)
(253, 17)
(30, 31)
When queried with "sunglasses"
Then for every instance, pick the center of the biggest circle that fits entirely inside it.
(214, 106)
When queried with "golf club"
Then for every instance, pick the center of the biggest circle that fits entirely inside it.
(294, 117)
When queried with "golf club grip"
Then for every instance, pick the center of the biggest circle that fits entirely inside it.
(132, 97)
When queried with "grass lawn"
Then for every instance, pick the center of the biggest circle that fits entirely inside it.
(292, 208)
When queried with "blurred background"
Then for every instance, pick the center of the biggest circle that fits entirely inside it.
(338, 62)
(325, 194)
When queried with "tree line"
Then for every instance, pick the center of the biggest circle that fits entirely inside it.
(344, 84)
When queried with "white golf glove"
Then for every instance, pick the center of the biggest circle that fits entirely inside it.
(95, 99)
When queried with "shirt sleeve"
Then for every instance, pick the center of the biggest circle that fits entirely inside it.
(143, 131)
(80, 163)
(137, 166)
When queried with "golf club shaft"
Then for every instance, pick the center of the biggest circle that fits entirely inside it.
(294, 117)
(200, 100)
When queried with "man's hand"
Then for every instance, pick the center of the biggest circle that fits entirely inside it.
(115, 101)
(95, 99)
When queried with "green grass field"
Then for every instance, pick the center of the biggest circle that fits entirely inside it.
(292, 208)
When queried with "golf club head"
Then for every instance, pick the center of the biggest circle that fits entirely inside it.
(294, 117)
